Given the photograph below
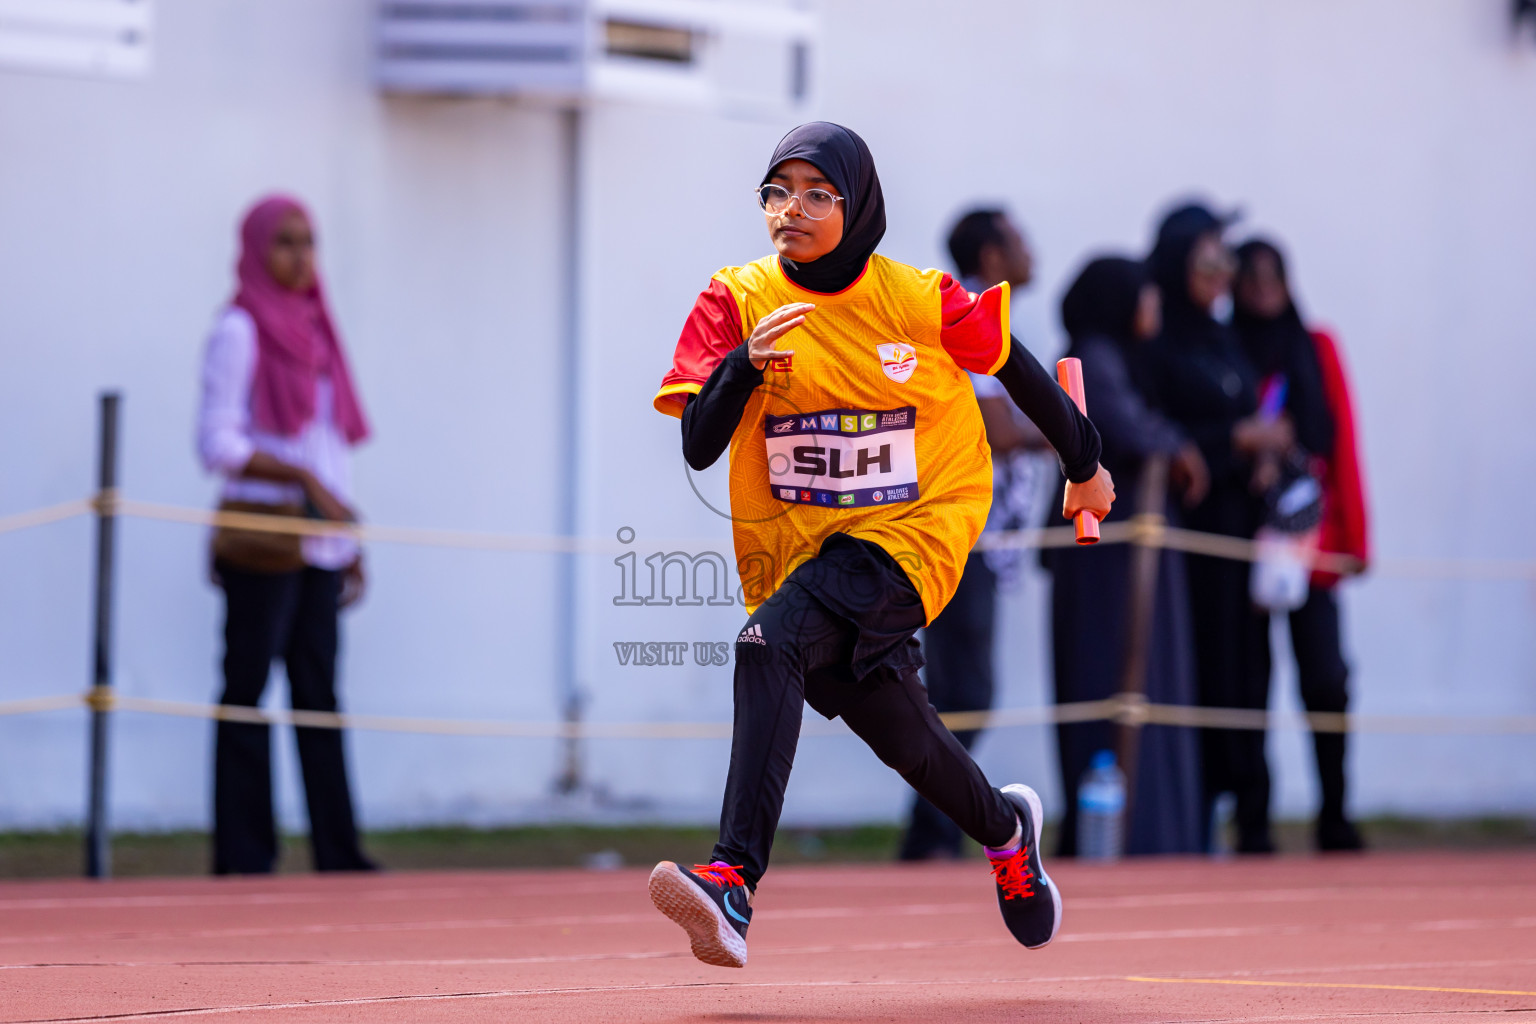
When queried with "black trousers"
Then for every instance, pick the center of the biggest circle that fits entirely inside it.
(958, 647)
(1232, 671)
(1323, 676)
(795, 650)
(292, 616)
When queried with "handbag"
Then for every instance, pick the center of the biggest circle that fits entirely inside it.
(257, 550)
(1287, 541)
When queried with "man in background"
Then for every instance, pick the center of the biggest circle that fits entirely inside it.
(987, 249)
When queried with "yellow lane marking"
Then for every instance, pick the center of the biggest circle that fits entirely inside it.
(1328, 984)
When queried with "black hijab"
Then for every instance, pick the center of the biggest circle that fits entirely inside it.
(1196, 368)
(1268, 340)
(842, 156)
(1282, 344)
(1169, 263)
(1102, 302)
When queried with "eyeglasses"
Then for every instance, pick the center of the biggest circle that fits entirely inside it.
(815, 203)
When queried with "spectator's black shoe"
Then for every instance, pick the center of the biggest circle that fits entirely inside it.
(1338, 835)
(1261, 845)
(1029, 900)
(357, 862)
(713, 905)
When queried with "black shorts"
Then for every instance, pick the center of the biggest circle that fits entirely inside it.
(859, 583)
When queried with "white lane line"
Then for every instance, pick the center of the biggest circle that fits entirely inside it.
(491, 890)
(1358, 1015)
(816, 950)
(602, 989)
(872, 947)
(568, 920)
(918, 910)
(494, 889)
(790, 914)
(1307, 895)
(524, 993)
(563, 991)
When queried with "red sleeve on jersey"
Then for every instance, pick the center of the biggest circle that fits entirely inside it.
(974, 328)
(713, 328)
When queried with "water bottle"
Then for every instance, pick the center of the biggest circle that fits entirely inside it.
(1223, 814)
(1100, 803)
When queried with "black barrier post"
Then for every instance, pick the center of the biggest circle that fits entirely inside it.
(570, 779)
(98, 839)
(1141, 605)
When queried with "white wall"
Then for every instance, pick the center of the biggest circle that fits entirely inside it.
(1391, 145)
(436, 227)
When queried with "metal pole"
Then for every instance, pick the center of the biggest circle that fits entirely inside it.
(98, 840)
(570, 778)
(1141, 605)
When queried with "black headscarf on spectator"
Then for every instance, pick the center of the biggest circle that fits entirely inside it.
(1282, 344)
(1267, 340)
(1169, 262)
(1102, 301)
(844, 158)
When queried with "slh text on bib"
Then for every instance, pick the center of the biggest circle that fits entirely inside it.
(849, 458)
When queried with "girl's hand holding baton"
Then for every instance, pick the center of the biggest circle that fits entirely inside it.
(1088, 502)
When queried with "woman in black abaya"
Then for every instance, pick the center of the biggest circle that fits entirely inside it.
(1110, 313)
(1205, 383)
(1281, 347)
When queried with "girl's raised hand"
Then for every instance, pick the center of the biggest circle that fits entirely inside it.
(773, 327)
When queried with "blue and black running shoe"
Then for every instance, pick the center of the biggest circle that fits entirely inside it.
(1029, 900)
(713, 905)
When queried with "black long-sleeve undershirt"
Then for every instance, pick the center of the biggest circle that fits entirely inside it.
(711, 416)
(1039, 397)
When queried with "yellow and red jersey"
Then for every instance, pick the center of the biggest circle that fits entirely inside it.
(871, 429)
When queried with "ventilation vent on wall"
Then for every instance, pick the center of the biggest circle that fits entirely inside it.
(648, 42)
(85, 37)
(737, 54)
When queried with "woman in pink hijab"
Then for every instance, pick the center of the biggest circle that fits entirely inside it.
(278, 419)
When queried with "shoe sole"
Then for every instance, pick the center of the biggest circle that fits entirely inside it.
(1036, 821)
(713, 939)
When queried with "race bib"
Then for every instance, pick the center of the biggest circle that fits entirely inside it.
(849, 458)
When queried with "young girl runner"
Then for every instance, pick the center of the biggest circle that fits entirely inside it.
(860, 479)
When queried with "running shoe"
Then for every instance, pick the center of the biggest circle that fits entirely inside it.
(1029, 900)
(713, 905)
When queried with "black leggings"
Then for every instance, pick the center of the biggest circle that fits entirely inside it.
(958, 646)
(794, 650)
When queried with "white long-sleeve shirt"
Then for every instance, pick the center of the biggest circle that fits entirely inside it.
(226, 437)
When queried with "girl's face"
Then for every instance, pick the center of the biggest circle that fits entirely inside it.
(291, 257)
(796, 236)
(1210, 270)
(1149, 313)
(1261, 290)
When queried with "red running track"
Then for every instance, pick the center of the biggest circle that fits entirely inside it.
(1435, 937)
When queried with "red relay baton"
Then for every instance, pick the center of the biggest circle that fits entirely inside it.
(1069, 374)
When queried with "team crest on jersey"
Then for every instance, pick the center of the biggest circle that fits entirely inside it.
(898, 360)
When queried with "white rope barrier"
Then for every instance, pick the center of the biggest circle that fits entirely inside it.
(37, 705)
(1122, 710)
(1150, 531)
(44, 516)
(1144, 530)
(366, 533)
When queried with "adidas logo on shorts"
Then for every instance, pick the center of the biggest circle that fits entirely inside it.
(753, 634)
